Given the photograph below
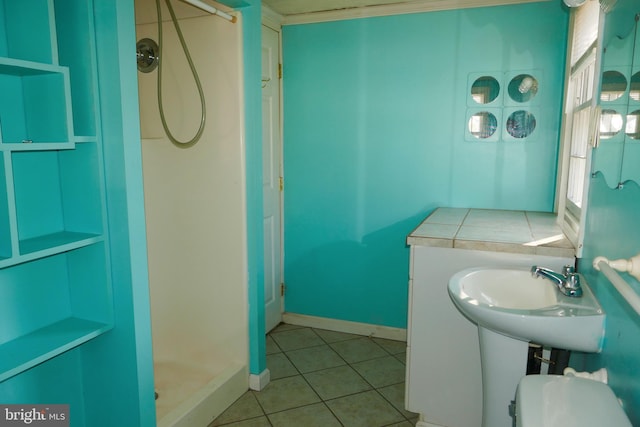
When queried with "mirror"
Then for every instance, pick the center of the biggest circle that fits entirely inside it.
(523, 87)
(617, 156)
(634, 87)
(633, 125)
(521, 124)
(485, 89)
(631, 154)
(482, 125)
(614, 85)
(610, 124)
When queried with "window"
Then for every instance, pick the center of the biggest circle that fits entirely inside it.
(581, 120)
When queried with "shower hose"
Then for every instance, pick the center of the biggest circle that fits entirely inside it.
(173, 139)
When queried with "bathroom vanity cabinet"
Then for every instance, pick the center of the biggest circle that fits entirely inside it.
(55, 288)
(443, 379)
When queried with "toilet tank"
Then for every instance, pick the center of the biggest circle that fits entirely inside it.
(564, 401)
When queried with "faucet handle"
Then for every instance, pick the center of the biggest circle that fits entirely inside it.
(568, 270)
(573, 283)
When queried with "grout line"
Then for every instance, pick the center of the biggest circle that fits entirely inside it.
(355, 337)
(264, 414)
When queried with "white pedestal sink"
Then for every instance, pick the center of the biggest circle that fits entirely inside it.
(511, 309)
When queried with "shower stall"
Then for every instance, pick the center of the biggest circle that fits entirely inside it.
(195, 215)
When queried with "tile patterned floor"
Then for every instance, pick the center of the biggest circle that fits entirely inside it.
(324, 378)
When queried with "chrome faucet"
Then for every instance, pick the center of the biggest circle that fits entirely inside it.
(568, 282)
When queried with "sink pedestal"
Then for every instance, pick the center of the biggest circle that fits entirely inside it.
(512, 302)
(504, 363)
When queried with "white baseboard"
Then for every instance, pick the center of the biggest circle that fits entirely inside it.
(426, 424)
(260, 381)
(387, 332)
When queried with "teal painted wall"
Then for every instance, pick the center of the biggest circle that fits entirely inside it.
(119, 366)
(612, 231)
(374, 139)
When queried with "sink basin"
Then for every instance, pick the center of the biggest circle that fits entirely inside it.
(512, 302)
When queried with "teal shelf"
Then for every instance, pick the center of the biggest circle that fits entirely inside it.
(78, 54)
(34, 90)
(58, 196)
(51, 244)
(57, 242)
(21, 67)
(53, 302)
(42, 344)
(80, 139)
(37, 147)
(27, 31)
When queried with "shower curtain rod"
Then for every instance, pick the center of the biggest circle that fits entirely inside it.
(207, 8)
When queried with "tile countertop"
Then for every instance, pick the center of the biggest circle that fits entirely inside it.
(493, 230)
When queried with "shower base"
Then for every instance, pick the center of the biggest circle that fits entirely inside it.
(192, 394)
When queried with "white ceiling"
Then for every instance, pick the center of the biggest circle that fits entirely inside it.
(301, 11)
(307, 11)
(295, 7)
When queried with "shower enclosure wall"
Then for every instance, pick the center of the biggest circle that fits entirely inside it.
(195, 210)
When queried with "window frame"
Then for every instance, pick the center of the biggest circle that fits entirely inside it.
(572, 217)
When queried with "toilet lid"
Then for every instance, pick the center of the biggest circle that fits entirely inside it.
(559, 401)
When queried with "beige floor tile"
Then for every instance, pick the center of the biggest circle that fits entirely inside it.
(391, 346)
(286, 393)
(280, 366)
(338, 368)
(367, 409)
(262, 421)
(337, 382)
(317, 415)
(381, 372)
(285, 327)
(395, 395)
(358, 350)
(272, 347)
(315, 358)
(296, 339)
(333, 336)
(244, 408)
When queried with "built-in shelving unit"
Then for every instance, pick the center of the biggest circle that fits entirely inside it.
(35, 108)
(55, 286)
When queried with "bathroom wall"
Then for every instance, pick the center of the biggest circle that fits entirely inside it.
(374, 139)
(195, 197)
(612, 231)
